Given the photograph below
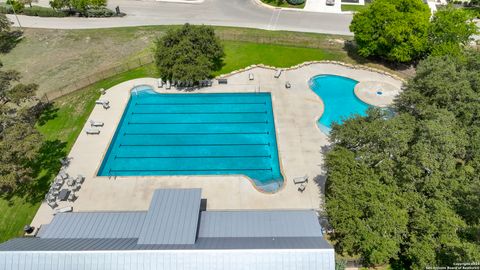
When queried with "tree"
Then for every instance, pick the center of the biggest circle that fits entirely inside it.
(412, 178)
(8, 38)
(450, 30)
(188, 54)
(395, 30)
(19, 140)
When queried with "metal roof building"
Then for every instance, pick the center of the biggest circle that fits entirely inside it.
(174, 234)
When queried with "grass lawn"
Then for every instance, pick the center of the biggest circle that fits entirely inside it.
(243, 54)
(283, 4)
(356, 8)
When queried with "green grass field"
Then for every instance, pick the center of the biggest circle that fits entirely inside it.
(356, 8)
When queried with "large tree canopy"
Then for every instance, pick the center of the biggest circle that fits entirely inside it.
(19, 140)
(8, 38)
(450, 30)
(396, 30)
(188, 54)
(405, 189)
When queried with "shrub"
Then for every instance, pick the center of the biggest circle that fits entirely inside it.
(296, 2)
(44, 12)
(18, 6)
(6, 9)
(99, 12)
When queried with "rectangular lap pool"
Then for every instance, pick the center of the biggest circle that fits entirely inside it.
(196, 134)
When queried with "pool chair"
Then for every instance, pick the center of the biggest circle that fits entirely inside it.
(63, 209)
(159, 83)
(62, 175)
(250, 76)
(80, 179)
(52, 204)
(92, 131)
(300, 180)
(76, 187)
(106, 106)
(65, 161)
(167, 85)
(96, 123)
(278, 73)
(330, 2)
(302, 187)
(102, 102)
(72, 197)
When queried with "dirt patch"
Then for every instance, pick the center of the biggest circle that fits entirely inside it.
(53, 58)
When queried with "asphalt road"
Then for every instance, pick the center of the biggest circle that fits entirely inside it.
(241, 13)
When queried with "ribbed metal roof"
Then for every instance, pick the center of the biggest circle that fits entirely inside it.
(259, 224)
(63, 244)
(172, 217)
(95, 225)
(171, 260)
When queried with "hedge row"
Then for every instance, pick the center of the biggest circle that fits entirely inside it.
(50, 12)
(296, 2)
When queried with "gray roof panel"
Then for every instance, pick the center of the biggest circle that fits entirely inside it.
(172, 217)
(166, 260)
(303, 223)
(95, 225)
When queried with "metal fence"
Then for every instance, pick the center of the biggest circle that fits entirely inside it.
(81, 83)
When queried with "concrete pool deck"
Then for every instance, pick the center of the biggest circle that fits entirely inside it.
(300, 147)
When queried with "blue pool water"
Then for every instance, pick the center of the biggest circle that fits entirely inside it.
(196, 134)
(339, 100)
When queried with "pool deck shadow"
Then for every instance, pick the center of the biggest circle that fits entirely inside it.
(299, 140)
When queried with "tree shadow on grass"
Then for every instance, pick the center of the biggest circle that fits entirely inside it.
(44, 168)
(49, 112)
(352, 51)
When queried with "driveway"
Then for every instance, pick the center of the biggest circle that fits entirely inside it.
(240, 13)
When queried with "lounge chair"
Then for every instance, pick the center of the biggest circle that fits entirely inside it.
(278, 73)
(52, 204)
(168, 85)
(64, 209)
(62, 175)
(72, 197)
(71, 182)
(250, 76)
(106, 106)
(65, 161)
(159, 83)
(302, 187)
(91, 131)
(96, 123)
(300, 180)
(80, 179)
(51, 198)
(102, 102)
(77, 187)
(330, 2)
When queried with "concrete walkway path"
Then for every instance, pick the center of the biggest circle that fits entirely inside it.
(238, 13)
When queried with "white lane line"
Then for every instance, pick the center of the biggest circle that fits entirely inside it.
(274, 25)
